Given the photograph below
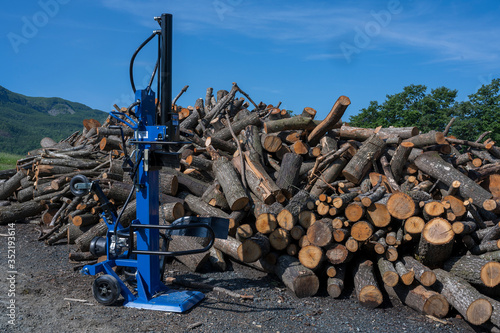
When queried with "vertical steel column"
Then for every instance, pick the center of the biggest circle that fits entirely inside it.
(166, 70)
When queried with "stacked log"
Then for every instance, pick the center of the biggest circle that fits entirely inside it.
(410, 214)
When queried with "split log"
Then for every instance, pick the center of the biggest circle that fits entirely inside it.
(360, 163)
(432, 164)
(299, 279)
(472, 305)
(230, 183)
(365, 285)
(436, 243)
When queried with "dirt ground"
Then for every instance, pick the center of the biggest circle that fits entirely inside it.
(45, 282)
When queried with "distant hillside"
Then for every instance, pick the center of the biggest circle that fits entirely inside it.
(24, 120)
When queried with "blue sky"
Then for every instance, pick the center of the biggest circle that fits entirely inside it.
(303, 53)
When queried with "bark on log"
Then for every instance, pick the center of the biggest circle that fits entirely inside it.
(280, 239)
(328, 176)
(427, 139)
(288, 175)
(433, 165)
(472, 305)
(436, 243)
(237, 126)
(360, 163)
(201, 208)
(20, 211)
(420, 299)
(231, 185)
(474, 270)
(299, 279)
(184, 243)
(11, 185)
(288, 217)
(387, 271)
(335, 285)
(365, 285)
(254, 248)
(423, 274)
(331, 119)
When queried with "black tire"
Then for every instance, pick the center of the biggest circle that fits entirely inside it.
(106, 289)
(77, 180)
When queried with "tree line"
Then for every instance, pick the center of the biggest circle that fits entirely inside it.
(433, 110)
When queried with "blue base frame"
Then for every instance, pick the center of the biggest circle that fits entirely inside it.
(163, 299)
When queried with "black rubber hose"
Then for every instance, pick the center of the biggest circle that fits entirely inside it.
(131, 67)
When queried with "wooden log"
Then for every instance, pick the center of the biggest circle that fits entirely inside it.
(230, 183)
(378, 215)
(20, 211)
(85, 220)
(183, 243)
(432, 164)
(98, 230)
(420, 299)
(427, 139)
(423, 274)
(199, 207)
(252, 143)
(254, 182)
(280, 239)
(299, 279)
(407, 276)
(266, 223)
(238, 126)
(297, 232)
(361, 162)
(271, 142)
(331, 119)
(365, 284)
(195, 186)
(362, 231)
(306, 219)
(474, 270)
(436, 243)
(463, 297)
(373, 197)
(464, 227)
(354, 211)
(11, 185)
(293, 123)
(311, 256)
(401, 206)
(432, 209)
(171, 211)
(389, 275)
(320, 233)
(221, 144)
(254, 248)
(328, 176)
(288, 175)
(335, 285)
(400, 158)
(230, 247)
(288, 217)
(456, 205)
(338, 254)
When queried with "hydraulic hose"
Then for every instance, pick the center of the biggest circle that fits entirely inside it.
(131, 67)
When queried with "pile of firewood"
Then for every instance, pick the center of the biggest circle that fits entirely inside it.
(390, 209)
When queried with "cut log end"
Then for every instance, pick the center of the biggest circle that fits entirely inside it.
(479, 311)
(490, 274)
(370, 296)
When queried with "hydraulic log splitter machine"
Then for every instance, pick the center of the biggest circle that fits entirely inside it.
(155, 139)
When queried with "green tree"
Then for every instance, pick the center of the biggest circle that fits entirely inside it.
(411, 107)
(480, 113)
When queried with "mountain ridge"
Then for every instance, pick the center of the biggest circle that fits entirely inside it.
(25, 120)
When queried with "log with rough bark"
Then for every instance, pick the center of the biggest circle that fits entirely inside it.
(20, 211)
(335, 285)
(230, 183)
(288, 217)
(436, 243)
(475, 308)
(433, 165)
(361, 162)
(331, 119)
(420, 299)
(474, 270)
(423, 274)
(299, 279)
(288, 175)
(365, 284)
(254, 248)
(11, 185)
(388, 272)
(320, 233)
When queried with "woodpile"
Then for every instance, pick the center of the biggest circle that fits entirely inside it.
(313, 202)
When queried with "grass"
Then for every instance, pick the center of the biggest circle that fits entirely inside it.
(8, 161)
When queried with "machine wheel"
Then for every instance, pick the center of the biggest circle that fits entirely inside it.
(106, 289)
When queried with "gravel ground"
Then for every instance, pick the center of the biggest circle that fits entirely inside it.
(45, 278)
